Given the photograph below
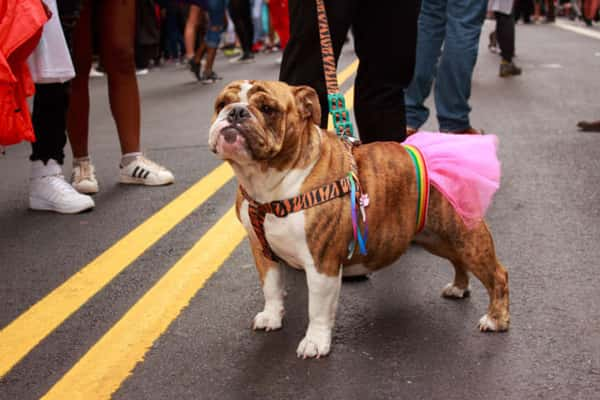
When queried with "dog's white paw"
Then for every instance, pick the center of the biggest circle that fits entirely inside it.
(454, 292)
(267, 320)
(487, 324)
(315, 344)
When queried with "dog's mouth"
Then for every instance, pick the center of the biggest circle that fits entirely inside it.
(231, 142)
(230, 133)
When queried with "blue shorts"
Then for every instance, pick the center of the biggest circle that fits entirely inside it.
(216, 22)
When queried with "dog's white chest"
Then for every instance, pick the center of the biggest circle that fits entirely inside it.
(286, 236)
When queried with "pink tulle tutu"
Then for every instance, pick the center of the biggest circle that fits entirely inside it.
(464, 168)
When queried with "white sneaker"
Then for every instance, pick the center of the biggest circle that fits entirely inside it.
(142, 171)
(49, 191)
(94, 73)
(83, 177)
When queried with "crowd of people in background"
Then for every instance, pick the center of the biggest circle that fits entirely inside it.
(190, 32)
(432, 38)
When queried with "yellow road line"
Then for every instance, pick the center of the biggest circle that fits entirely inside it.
(26, 331)
(100, 372)
(347, 72)
(19, 337)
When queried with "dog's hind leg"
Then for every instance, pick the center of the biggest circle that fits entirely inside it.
(469, 250)
(475, 251)
(459, 288)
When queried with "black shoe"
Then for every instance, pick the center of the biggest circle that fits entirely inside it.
(211, 77)
(586, 126)
(195, 68)
(509, 69)
(245, 58)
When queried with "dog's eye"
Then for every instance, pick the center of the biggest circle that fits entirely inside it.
(220, 106)
(266, 109)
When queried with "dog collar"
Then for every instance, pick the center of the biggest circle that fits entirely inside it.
(422, 185)
(281, 208)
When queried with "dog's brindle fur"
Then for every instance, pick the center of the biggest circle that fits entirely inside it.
(286, 138)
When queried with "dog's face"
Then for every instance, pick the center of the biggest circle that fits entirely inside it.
(253, 119)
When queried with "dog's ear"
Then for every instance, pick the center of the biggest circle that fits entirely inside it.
(307, 102)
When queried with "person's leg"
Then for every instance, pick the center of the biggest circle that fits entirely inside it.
(455, 71)
(191, 26)
(118, 19)
(48, 189)
(382, 75)
(550, 13)
(239, 10)
(79, 107)
(431, 32)
(256, 11)
(216, 26)
(302, 63)
(505, 33)
(49, 122)
(505, 27)
(117, 54)
(280, 20)
(51, 101)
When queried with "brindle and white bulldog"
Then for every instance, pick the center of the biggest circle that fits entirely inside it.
(268, 132)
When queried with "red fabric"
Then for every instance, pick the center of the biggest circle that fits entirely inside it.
(590, 8)
(280, 20)
(21, 23)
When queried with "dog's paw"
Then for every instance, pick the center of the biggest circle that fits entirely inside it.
(314, 344)
(267, 320)
(454, 292)
(489, 324)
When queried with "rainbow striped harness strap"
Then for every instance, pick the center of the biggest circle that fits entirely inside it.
(422, 185)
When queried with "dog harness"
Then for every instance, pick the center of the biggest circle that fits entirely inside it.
(422, 184)
(349, 184)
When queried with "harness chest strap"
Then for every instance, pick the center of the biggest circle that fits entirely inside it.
(281, 208)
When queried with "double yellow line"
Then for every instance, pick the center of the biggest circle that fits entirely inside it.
(100, 372)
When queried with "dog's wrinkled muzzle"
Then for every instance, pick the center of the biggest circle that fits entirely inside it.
(231, 142)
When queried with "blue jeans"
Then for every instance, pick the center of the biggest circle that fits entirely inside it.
(455, 24)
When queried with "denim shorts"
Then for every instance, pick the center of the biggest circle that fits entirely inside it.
(216, 22)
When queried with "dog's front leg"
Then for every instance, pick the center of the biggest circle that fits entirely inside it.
(271, 279)
(323, 295)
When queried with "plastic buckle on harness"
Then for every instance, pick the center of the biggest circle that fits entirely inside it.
(340, 114)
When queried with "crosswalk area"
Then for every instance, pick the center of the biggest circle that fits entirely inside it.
(99, 372)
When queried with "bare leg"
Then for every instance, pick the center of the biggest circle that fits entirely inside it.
(117, 52)
(191, 26)
(79, 106)
(210, 60)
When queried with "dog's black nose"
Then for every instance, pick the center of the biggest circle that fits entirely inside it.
(238, 114)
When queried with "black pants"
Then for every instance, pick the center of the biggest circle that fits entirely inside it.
(505, 34)
(523, 8)
(51, 101)
(385, 37)
(240, 13)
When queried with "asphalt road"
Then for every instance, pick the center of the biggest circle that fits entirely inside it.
(136, 336)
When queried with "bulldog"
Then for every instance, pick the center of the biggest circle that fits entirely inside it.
(289, 173)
